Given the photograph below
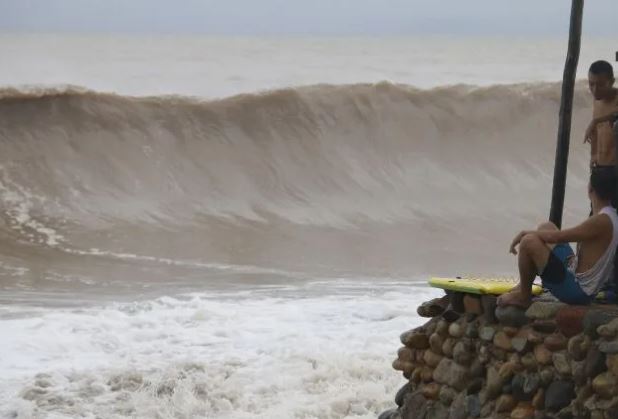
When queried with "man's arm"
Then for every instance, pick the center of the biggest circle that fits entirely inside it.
(589, 229)
(592, 227)
(591, 131)
(607, 118)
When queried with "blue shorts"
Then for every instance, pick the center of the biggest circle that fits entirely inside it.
(559, 280)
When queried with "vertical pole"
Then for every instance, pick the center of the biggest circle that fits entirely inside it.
(566, 110)
(615, 200)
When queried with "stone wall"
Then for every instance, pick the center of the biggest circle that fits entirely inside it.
(475, 360)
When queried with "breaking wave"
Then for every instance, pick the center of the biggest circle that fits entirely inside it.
(362, 178)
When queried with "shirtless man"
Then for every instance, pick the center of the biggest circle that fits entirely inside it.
(605, 110)
(572, 278)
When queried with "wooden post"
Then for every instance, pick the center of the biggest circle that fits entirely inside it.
(566, 110)
(615, 202)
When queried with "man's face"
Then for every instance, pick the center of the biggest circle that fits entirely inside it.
(600, 85)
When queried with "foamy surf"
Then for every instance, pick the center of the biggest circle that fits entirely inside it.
(263, 354)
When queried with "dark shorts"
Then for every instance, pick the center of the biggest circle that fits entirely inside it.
(559, 280)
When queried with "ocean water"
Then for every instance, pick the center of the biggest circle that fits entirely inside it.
(241, 228)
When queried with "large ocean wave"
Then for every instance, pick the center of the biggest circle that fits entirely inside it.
(351, 178)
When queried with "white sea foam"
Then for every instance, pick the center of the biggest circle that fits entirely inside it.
(272, 355)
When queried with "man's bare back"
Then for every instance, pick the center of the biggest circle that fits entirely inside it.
(592, 246)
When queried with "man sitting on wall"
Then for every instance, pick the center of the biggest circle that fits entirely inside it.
(572, 278)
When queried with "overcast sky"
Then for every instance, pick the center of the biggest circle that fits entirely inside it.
(306, 17)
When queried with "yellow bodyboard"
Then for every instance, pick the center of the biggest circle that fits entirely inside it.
(474, 285)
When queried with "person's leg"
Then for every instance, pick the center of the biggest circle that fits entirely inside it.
(532, 258)
(542, 227)
(568, 289)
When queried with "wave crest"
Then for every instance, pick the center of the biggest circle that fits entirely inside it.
(279, 173)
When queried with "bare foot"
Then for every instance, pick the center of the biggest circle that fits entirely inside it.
(514, 298)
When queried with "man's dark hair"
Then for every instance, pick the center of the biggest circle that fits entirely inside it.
(603, 182)
(602, 67)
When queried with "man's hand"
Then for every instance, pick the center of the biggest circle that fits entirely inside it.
(516, 241)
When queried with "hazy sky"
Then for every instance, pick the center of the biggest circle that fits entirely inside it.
(306, 17)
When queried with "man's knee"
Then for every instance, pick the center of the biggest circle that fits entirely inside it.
(535, 249)
(547, 226)
(530, 242)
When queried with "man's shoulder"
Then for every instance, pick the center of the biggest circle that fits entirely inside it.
(596, 220)
(603, 220)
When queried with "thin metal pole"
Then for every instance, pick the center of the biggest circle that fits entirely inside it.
(566, 110)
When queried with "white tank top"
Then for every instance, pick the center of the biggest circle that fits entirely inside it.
(593, 280)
